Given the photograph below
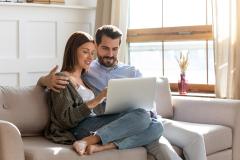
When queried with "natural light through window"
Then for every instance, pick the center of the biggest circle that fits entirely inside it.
(184, 12)
(145, 13)
(161, 29)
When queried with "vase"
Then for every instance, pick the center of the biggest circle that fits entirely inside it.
(182, 84)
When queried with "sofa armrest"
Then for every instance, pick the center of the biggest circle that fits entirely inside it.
(224, 112)
(207, 110)
(11, 145)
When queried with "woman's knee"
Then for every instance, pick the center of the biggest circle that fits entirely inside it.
(142, 113)
(140, 117)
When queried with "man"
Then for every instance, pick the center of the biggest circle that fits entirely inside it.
(104, 68)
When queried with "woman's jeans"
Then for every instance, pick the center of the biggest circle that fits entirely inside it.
(126, 130)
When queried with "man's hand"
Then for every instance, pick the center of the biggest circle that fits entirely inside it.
(53, 81)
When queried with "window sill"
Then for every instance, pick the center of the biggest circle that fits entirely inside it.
(207, 95)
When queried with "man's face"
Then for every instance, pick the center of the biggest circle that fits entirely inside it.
(107, 51)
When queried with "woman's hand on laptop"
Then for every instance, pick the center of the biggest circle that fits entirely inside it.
(102, 95)
(99, 99)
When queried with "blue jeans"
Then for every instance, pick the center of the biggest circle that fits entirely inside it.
(153, 132)
(126, 130)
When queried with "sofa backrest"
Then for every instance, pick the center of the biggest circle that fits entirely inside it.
(25, 107)
(163, 98)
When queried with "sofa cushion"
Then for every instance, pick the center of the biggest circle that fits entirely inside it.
(163, 98)
(39, 148)
(216, 137)
(25, 107)
(223, 155)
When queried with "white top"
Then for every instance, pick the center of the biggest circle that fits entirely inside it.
(85, 93)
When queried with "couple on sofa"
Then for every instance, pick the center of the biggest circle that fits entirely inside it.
(77, 107)
(77, 92)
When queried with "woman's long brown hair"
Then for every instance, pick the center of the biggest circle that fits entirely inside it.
(70, 54)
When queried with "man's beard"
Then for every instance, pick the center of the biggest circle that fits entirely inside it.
(107, 61)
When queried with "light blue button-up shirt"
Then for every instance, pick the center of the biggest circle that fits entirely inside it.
(99, 75)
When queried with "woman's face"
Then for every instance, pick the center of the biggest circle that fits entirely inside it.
(85, 54)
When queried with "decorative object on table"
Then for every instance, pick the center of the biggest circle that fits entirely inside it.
(183, 64)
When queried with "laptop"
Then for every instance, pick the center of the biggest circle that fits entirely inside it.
(130, 93)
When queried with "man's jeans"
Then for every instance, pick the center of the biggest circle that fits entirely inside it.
(126, 130)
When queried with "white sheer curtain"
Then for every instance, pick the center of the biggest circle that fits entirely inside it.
(114, 12)
(226, 26)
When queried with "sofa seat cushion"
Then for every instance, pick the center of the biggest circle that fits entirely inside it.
(39, 148)
(216, 137)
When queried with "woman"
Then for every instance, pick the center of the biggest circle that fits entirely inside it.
(72, 118)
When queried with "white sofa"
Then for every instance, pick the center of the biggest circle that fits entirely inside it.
(24, 114)
(216, 120)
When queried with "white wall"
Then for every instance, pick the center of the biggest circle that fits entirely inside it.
(89, 3)
(33, 37)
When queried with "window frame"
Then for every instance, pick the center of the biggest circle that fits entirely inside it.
(181, 33)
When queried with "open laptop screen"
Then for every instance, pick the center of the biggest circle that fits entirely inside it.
(130, 93)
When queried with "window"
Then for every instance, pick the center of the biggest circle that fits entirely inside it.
(159, 30)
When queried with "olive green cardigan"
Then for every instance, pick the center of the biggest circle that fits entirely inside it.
(67, 109)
